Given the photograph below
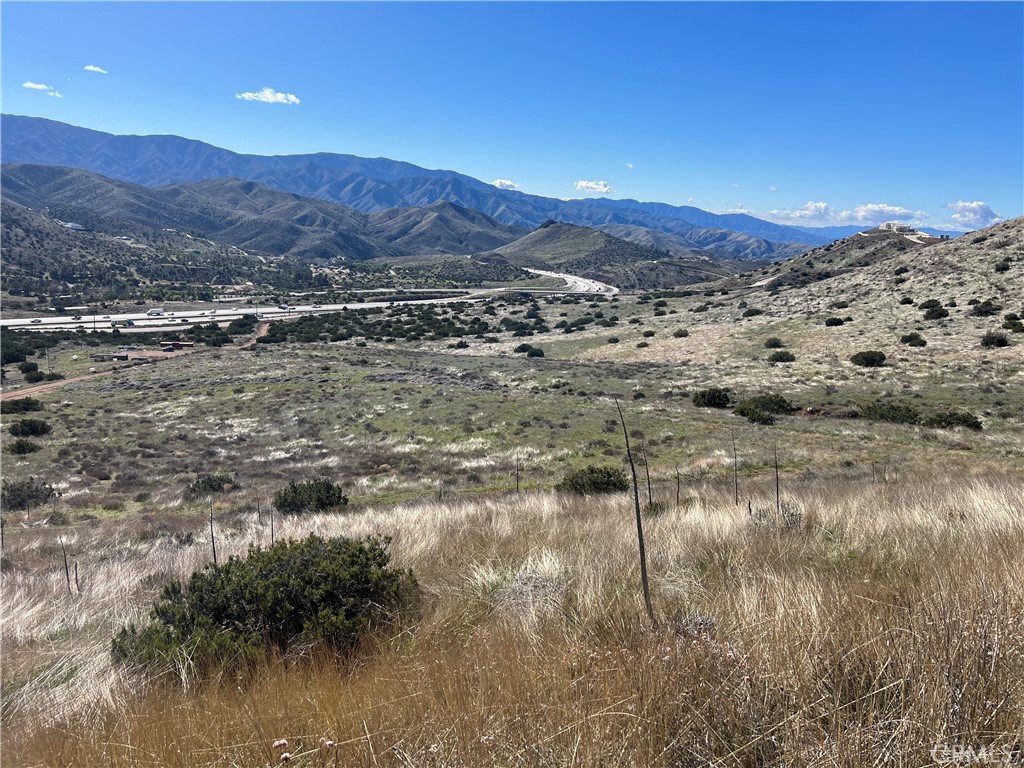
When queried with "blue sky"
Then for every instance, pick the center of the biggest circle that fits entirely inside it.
(807, 113)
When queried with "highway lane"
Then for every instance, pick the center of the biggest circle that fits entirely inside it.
(143, 322)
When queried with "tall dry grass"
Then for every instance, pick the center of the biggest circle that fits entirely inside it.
(871, 624)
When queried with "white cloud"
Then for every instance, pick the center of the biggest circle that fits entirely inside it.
(55, 94)
(772, 188)
(820, 214)
(734, 185)
(36, 86)
(269, 96)
(976, 215)
(505, 184)
(94, 68)
(630, 166)
(597, 187)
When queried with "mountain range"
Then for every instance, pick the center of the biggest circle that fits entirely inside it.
(370, 185)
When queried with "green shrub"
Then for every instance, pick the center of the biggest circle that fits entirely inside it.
(752, 312)
(951, 419)
(869, 359)
(22, 405)
(773, 342)
(1003, 266)
(317, 592)
(755, 416)
(714, 397)
(535, 352)
(24, 494)
(211, 484)
(613, 339)
(936, 313)
(913, 339)
(680, 333)
(831, 322)
(523, 348)
(986, 308)
(841, 304)
(593, 479)
(906, 300)
(768, 403)
(21, 446)
(781, 356)
(896, 413)
(647, 334)
(995, 339)
(317, 495)
(30, 428)
(930, 304)
(34, 377)
(28, 367)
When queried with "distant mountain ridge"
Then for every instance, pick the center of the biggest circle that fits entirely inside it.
(374, 184)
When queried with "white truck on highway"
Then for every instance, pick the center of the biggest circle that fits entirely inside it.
(155, 312)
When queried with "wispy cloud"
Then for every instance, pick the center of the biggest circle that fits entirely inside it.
(772, 188)
(94, 68)
(976, 215)
(630, 166)
(55, 94)
(269, 96)
(734, 185)
(36, 86)
(505, 184)
(821, 214)
(594, 187)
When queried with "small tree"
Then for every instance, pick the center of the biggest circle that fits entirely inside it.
(713, 397)
(25, 494)
(30, 428)
(995, 339)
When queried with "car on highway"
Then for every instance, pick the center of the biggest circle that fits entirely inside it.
(282, 306)
(37, 320)
(77, 317)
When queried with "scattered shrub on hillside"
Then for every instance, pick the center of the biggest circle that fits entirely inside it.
(986, 308)
(34, 377)
(318, 495)
(28, 366)
(30, 428)
(906, 300)
(1012, 322)
(21, 446)
(714, 397)
(24, 494)
(523, 348)
(869, 359)
(613, 339)
(535, 352)
(896, 413)
(781, 356)
(841, 304)
(680, 333)
(752, 312)
(211, 484)
(769, 403)
(642, 345)
(951, 419)
(831, 322)
(22, 405)
(995, 339)
(593, 479)
(1003, 266)
(936, 313)
(913, 339)
(317, 592)
(647, 334)
(930, 304)
(773, 342)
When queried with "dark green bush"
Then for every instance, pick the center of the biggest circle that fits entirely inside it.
(768, 403)
(986, 308)
(951, 419)
(21, 446)
(523, 348)
(773, 342)
(211, 484)
(22, 405)
(1003, 266)
(831, 322)
(906, 300)
(34, 377)
(781, 356)
(913, 339)
(936, 313)
(24, 494)
(896, 413)
(995, 339)
(28, 367)
(680, 333)
(869, 359)
(593, 479)
(30, 428)
(535, 352)
(317, 592)
(613, 339)
(930, 304)
(714, 397)
(755, 416)
(317, 495)
(752, 312)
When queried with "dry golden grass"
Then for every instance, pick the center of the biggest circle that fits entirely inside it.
(869, 624)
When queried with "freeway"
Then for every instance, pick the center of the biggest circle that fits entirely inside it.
(143, 322)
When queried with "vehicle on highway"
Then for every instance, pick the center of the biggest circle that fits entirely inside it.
(282, 306)
(77, 317)
(37, 320)
(155, 312)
